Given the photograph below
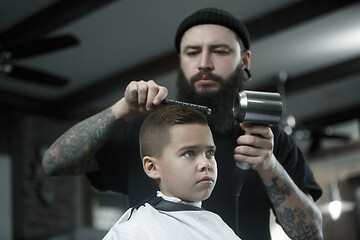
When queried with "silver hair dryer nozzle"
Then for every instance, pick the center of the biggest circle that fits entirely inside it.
(258, 107)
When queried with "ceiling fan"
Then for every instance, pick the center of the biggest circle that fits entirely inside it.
(32, 48)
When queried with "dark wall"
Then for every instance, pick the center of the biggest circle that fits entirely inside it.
(42, 206)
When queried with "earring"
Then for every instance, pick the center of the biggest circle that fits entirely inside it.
(246, 74)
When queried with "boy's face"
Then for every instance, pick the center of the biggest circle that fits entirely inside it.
(187, 168)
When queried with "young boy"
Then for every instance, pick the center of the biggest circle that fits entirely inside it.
(178, 152)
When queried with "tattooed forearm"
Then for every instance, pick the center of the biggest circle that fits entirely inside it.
(73, 152)
(297, 213)
(295, 223)
(279, 188)
(277, 193)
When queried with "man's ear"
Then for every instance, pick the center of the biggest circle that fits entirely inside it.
(246, 59)
(151, 168)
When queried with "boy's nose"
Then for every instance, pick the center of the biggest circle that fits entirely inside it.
(205, 164)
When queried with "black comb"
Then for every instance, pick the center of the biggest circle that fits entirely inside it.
(201, 108)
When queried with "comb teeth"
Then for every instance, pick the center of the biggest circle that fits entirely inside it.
(201, 108)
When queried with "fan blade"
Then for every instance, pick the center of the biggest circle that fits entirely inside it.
(31, 75)
(40, 46)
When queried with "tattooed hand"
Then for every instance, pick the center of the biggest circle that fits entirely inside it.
(140, 97)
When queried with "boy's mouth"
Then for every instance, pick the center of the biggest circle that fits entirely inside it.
(206, 179)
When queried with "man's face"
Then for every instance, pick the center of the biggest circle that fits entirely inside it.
(209, 54)
(187, 167)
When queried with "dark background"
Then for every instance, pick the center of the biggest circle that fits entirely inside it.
(309, 51)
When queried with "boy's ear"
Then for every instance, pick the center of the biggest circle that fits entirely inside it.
(151, 168)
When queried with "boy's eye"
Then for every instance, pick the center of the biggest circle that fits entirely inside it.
(210, 153)
(189, 154)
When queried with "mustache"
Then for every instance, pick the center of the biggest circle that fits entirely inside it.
(210, 75)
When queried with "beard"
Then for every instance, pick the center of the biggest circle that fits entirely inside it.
(221, 102)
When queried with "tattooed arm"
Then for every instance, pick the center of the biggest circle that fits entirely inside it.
(296, 212)
(73, 152)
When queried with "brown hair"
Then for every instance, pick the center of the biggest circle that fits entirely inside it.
(155, 130)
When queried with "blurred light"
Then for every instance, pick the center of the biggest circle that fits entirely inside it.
(329, 130)
(336, 206)
(335, 209)
(302, 134)
(288, 130)
(291, 121)
(283, 76)
(299, 134)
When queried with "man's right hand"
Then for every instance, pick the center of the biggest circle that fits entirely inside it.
(140, 97)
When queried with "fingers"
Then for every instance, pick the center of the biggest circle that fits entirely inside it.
(134, 95)
(260, 130)
(257, 158)
(155, 95)
(144, 95)
(250, 154)
(258, 136)
(255, 147)
(254, 162)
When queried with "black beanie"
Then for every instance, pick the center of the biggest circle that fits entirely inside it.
(213, 16)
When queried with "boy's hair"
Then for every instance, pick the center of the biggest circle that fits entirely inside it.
(155, 130)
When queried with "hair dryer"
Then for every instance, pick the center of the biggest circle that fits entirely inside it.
(262, 108)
